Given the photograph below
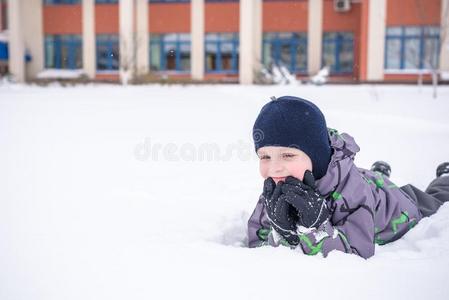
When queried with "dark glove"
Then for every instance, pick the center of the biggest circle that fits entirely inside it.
(303, 196)
(282, 216)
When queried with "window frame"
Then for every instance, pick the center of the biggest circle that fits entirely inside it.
(235, 41)
(163, 55)
(293, 42)
(100, 2)
(57, 43)
(169, 1)
(338, 41)
(403, 37)
(111, 41)
(62, 2)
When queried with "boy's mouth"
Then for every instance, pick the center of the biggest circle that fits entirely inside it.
(277, 179)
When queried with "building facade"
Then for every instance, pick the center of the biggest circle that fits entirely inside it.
(229, 40)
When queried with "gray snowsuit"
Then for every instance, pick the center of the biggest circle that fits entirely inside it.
(366, 207)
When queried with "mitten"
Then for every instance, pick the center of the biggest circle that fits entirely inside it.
(303, 196)
(283, 217)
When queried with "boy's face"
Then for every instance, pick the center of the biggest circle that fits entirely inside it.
(280, 162)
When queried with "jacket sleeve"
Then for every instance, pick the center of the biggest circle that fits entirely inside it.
(354, 237)
(351, 227)
(259, 227)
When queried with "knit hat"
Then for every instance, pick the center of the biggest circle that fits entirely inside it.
(297, 123)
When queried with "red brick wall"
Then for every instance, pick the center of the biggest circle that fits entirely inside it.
(413, 12)
(3, 16)
(285, 16)
(107, 18)
(222, 17)
(169, 17)
(363, 41)
(62, 19)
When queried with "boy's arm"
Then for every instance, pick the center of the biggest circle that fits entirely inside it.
(353, 234)
(351, 228)
(323, 239)
(356, 236)
(258, 226)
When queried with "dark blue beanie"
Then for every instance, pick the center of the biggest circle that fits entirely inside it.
(297, 123)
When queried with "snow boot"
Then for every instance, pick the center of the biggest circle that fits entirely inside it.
(443, 169)
(381, 167)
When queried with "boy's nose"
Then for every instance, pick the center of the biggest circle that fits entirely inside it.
(276, 168)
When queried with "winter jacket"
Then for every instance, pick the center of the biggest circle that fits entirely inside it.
(366, 208)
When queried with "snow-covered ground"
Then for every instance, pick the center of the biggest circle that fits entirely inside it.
(143, 192)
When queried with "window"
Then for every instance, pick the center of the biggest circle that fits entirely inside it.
(168, 1)
(63, 52)
(170, 52)
(288, 48)
(338, 51)
(107, 52)
(412, 47)
(222, 52)
(106, 1)
(62, 1)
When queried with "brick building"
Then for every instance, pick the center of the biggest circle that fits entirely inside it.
(360, 40)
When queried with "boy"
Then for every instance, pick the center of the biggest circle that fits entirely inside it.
(314, 197)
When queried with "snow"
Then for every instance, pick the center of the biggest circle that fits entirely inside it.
(408, 71)
(279, 74)
(321, 77)
(444, 75)
(60, 74)
(103, 194)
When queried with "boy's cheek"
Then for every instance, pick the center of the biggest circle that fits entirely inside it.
(299, 176)
(263, 172)
(298, 173)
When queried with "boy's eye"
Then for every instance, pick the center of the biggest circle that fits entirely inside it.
(288, 155)
(264, 157)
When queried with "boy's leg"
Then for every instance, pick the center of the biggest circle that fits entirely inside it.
(436, 194)
(439, 188)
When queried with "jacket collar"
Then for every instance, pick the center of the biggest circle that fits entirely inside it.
(344, 149)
